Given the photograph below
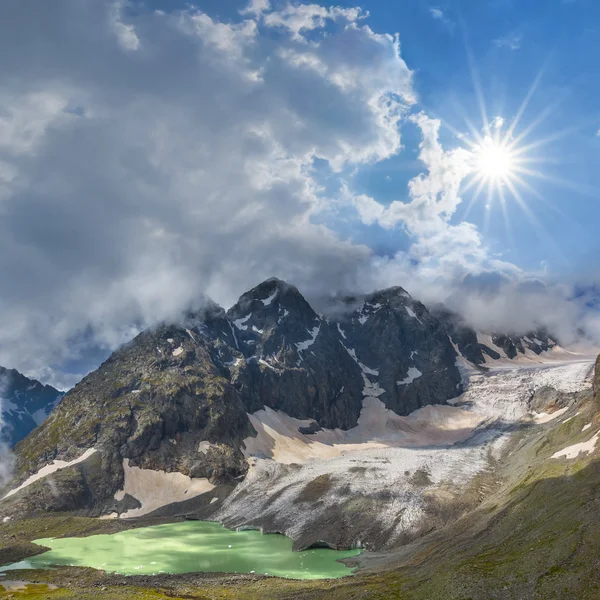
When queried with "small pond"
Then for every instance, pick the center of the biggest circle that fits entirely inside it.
(188, 547)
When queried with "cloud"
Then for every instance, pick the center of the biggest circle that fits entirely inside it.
(300, 19)
(433, 195)
(256, 7)
(439, 15)
(6, 456)
(137, 174)
(497, 122)
(448, 262)
(511, 41)
(125, 33)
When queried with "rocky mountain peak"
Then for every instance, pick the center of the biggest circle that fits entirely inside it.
(272, 297)
(24, 404)
(272, 316)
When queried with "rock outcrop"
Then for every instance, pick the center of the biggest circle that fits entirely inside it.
(479, 348)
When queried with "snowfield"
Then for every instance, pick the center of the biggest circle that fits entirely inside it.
(404, 460)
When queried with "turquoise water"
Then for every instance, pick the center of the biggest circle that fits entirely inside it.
(188, 547)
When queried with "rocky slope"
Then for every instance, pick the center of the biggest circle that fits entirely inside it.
(177, 398)
(483, 348)
(528, 527)
(24, 404)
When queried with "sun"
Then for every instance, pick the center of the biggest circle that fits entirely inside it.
(494, 160)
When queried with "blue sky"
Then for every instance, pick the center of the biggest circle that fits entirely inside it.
(511, 44)
(155, 153)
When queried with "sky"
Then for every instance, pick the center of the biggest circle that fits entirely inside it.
(154, 153)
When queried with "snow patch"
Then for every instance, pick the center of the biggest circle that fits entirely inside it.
(586, 427)
(309, 342)
(573, 451)
(371, 389)
(204, 447)
(239, 323)
(256, 329)
(363, 368)
(413, 373)
(412, 313)
(341, 332)
(178, 351)
(266, 364)
(267, 301)
(53, 467)
(378, 427)
(547, 417)
(155, 489)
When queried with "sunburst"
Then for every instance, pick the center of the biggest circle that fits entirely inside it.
(494, 160)
(502, 161)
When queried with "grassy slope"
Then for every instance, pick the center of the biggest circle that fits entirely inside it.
(536, 538)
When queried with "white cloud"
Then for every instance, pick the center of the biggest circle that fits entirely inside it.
(133, 182)
(25, 118)
(434, 195)
(256, 7)
(511, 41)
(125, 33)
(439, 15)
(497, 122)
(302, 18)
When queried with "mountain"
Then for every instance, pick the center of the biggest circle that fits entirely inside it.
(24, 404)
(480, 348)
(379, 425)
(182, 387)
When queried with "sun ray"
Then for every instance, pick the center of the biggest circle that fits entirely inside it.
(570, 185)
(558, 135)
(537, 194)
(508, 231)
(523, 107)
(538, 121)
(475, 79)
(474, 180)
(475, 196)
(477, 138)
(539, 228)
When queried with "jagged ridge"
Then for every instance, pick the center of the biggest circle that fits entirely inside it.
(154, 400)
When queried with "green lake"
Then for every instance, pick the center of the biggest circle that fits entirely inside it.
(189, 547)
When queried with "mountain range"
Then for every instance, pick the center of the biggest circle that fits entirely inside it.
(192, 385)
(24, 404)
